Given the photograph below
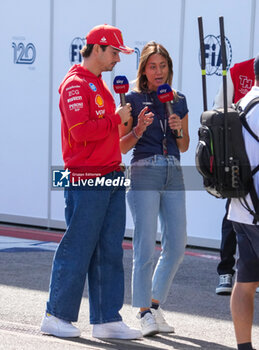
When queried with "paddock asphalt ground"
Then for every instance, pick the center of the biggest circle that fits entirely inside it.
(201, 318)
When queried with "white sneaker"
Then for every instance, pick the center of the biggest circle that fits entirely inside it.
(148, 324)
(60, 328)
(163, 326)
(115, 330)
(257, 290)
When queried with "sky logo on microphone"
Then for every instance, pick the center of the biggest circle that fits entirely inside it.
(120, 84)
(165, 93)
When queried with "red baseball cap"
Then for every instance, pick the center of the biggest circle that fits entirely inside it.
(105, 34)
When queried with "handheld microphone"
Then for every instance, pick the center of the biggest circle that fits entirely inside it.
(121, 86)
(165, 95)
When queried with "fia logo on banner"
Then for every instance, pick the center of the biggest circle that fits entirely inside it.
(213, 54)
(74, 51)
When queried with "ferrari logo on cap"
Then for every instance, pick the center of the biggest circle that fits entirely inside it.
(103, 40)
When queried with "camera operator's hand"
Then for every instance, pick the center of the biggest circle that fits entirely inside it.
(124, 112)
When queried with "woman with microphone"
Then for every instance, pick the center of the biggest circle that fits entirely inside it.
(157, 188)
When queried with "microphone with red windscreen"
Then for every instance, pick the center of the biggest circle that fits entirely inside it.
(121, 86)
(165, 95)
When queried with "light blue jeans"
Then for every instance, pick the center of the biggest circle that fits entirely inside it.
(157, 190)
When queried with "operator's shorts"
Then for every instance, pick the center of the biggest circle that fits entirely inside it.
(248, 247)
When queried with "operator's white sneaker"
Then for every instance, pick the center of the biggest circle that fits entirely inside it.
(60, 328)
(117, 330)
(163, 326)
(148, 324)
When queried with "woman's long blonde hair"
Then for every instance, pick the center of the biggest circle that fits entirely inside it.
(149, 49)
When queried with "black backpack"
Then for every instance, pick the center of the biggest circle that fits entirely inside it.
(221, 156)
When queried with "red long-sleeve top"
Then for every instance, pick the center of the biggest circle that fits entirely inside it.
(89, 125)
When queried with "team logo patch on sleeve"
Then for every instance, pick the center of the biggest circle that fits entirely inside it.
(93, 87)
(99, 101)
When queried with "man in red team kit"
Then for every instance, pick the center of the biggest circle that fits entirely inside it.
(240, 80)
(95, 203)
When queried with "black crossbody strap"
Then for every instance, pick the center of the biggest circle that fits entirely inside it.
(243, 114)
(255, 202)
(254, 198)
(253, 194)
(247, 127)
(255, 170)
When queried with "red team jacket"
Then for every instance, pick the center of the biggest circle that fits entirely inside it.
(242, 75)
(89, 125)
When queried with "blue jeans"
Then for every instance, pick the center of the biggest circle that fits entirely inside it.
(92, 243)
(157, 189)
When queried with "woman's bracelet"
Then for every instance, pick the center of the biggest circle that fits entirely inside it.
(178, 133)
(135, 134)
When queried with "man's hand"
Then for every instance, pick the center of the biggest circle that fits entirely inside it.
(124, 112)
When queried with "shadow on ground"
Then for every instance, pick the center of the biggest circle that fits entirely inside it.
(174, 342)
